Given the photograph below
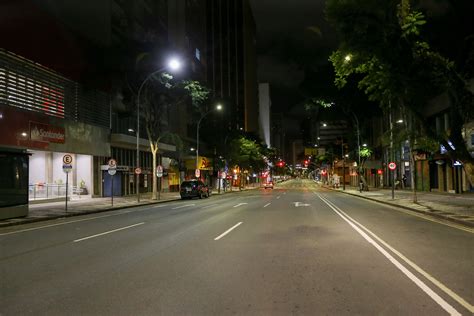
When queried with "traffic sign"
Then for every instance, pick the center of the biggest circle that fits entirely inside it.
(197, 173)
(112, 163)
(159, 171)
(112, 171)
(67, 168)
(67, 159)
(138, 170)
(392, 166)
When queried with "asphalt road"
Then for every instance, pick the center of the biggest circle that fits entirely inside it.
(296, 249)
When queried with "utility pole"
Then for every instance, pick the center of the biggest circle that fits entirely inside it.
(343, 166)
(358, 147)
(392, 172)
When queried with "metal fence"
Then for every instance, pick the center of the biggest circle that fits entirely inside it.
(30, 86)
(51, 191)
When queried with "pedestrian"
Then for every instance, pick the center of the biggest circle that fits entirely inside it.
(361, 185)
(404, 181)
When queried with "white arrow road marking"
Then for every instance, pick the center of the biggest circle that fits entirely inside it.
(267, 204)
(177, 207)
(365, 232)
(240, 204)
(278, 197)
(109, 232)
(298, 204)
(228, 231)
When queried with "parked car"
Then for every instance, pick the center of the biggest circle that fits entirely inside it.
(194, 188)
(268, 185)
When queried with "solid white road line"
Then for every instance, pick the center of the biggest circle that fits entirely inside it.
(267, 204)
(228, 231)
(438, 299)
(178, 207)
(240, 204)
(59, 224)
(440, 285)
(109, 232)
(116, 213)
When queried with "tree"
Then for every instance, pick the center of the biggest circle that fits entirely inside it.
(383, 49)
(247, 154)
(160, 95)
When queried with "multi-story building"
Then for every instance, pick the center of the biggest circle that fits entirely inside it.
(91, 72)
(45, 116)
(232, 63)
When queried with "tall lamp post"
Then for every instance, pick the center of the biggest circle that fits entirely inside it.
(217, 108)
(173, 64)
(358, 147)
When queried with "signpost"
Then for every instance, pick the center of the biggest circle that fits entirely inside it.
(392, 166)
(67, 167)
(138, 171)
(159, 174)
(112, 171)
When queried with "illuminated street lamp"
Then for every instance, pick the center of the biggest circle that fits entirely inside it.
(173, 65)
(217, 108)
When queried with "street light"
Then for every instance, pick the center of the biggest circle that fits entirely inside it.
(217, 108)
(173, 64)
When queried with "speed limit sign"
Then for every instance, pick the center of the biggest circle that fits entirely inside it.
(392, 166)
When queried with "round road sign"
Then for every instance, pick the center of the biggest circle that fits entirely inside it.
(159, 171)
(112, 163)
(392, 166)
(138, 170)
(67, 159)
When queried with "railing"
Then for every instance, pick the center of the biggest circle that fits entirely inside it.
(51, 191)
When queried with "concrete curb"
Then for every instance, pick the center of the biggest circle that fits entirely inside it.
(67, 215)
(440, 216)
(26, 220)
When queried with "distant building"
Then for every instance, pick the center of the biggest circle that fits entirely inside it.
(264, 103)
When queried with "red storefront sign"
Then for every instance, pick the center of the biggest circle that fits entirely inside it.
(27, 129)
(46, 133)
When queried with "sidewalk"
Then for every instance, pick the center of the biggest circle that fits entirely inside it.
(81, 206)
(457, 208)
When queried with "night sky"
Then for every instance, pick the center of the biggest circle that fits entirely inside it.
(293, 44)
(294, 41)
